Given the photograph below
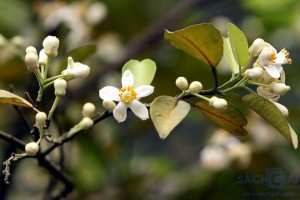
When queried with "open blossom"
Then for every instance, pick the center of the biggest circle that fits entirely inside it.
(271, 61)
(127, 96)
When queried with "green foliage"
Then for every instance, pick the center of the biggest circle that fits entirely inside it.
(203, 41)
(239, 45)
(272, 115)
(143, 71)
(231, 119)
(166, 113)
(229, 57)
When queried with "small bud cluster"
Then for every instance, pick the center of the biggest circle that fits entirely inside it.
(87, 112)
(194, 87)
(218, 103)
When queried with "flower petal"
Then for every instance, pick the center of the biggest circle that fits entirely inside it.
(120, 112)
(139, 109)
(127, 78)
(144, 90)
(273, 70)
(109, 93)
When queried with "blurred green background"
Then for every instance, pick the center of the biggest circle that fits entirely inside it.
(128, 160)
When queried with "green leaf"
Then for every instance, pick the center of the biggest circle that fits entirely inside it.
(203, 41)
(166, 113)
(267, 110)
(143, 71)
(229, 57)
(10, 98)
(239, 45)
(231, 119)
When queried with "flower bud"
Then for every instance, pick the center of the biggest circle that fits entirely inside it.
(40, 119)
(257, 46)
(86, 123)
(17, 41)
(254, 73)
(182, 83)
(279, 88)
(88, 110)
(50, 45)
(109, 104)
(60, 87)
(282, 109)
(31, 61)
(195, 87)
(32, 148)
(218, 103)
(31, 49)
(43, 58)
(76, 70)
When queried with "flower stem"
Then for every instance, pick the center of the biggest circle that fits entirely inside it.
(57, 98)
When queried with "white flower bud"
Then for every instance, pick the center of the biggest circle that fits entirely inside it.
(32, 148)
(40, 119)
(88, 110)
(282, 108)
(254, 73)
(109, 104)
(31, 49)
(17, 41)
(31, 61)
(60, 87)
(257, 46)
(76, 70)
(279, 88)
(182, 83)
(86, 123)
(50, 45)
(218, 103)
(43, 58)
(195, 87)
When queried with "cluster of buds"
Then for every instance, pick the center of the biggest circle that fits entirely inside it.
(87, 112)
(194, 87)
(218, 103)
(268, 71)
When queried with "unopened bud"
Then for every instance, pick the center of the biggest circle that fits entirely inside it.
(76, 70)
(31, 60)
(195, 87)
(60, 86)
(282, 109)
(17, 41)
(254, 73)
(182, 83)
(257, 46)
(40, 119)
(86, 123)
(109, 104)
(32, 148)
(218, 103)
(50, 45)
(279, 88)
(43, 58)
(31, 49)
(88, 110)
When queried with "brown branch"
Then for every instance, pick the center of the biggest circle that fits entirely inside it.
(12, 140)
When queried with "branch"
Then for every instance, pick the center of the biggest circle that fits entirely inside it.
(12, 140)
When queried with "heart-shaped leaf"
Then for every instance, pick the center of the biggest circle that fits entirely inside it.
(267, 110)
(203, 41)
(10, 98)
(239, 45)
(231, 119)
(166, 113)
(143, 71)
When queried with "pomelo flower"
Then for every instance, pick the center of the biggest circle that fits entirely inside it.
(271, 61)
(127, 96)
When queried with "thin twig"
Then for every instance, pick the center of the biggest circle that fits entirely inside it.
(12, 140)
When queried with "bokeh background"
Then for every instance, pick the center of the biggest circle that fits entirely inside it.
(128, 160)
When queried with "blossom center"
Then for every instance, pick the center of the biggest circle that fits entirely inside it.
(127, 94)
(273, 57)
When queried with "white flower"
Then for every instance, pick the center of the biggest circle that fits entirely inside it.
(271, 61)
(127, 97)
(50, 45)
(214, 157)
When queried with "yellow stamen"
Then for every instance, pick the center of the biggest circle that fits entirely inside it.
(273, 57)
(127, 94)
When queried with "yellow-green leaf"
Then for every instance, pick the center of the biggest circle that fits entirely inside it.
(231, 119)
(203, 41)
(143, 71)
(229, 57)
(239, 44)
(166, 113)
(10, 98)
(267, 110)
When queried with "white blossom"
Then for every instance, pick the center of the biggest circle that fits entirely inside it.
(127, 96)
